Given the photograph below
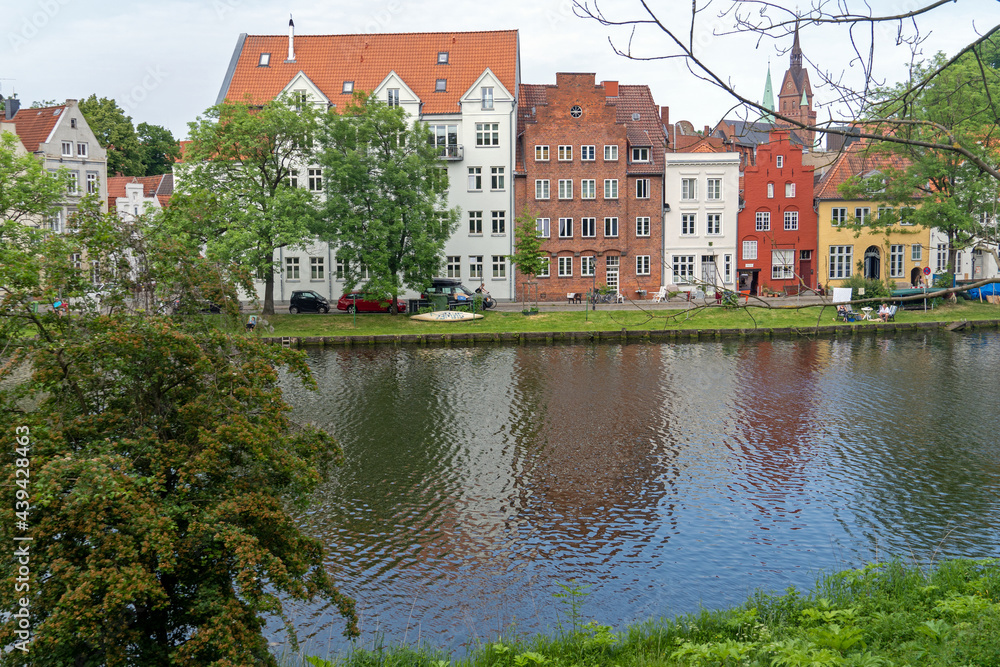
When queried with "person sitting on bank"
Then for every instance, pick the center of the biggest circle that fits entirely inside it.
(883, 312)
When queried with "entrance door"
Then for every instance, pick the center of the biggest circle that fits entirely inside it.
(709, 272)
(806, 268)
(977, 264)
(873, 263)
(611, 274)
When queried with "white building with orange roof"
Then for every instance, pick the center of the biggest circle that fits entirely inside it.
(462, 84)
(131, 196)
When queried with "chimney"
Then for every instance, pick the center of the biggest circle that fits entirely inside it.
(610, 88)
(13, 104)
(665, 116)
(291, 39)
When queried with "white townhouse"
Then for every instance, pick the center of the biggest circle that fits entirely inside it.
(131, 196)
(701, 200)
(970, 263)
(461, 84)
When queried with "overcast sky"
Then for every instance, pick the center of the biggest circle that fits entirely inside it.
(164, 61)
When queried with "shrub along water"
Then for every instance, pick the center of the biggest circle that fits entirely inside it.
(883, 614)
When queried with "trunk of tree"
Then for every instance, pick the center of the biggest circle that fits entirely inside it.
(268, 294)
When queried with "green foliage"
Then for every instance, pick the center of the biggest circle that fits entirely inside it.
(27, 190)
(162, 460)
(528, 257)
(386, 198)
(874, 289)
(234, 196)
(144, 151)
(158, 149)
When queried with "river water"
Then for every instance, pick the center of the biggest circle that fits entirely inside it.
(664, 478)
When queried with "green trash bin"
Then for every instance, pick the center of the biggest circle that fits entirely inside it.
(439, 301)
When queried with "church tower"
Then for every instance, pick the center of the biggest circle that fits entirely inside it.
(795, 95)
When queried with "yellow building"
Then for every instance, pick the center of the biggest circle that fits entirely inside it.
(898, 252)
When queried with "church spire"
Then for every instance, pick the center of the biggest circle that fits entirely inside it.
(795, 59)
(768, 100)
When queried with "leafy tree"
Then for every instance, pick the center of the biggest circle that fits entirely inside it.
(161, 459)
(41, 104)
(386, 197)
(115, 133)
(158, 149)
(27, 190)
(528, 257)
(235, 196)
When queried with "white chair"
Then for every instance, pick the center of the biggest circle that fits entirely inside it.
(661, 295)
(619, 298)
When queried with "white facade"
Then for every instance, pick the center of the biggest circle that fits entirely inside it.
(701, 195)
(971, 264)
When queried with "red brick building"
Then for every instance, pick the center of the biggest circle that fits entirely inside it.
(777, 226)
(589, 169)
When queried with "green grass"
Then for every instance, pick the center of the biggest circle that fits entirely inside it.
(304, 325)
(882, 615)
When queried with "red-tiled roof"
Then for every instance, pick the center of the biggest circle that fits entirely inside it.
(35, 125)
(160, 186)
(330, 60)
(856, 160)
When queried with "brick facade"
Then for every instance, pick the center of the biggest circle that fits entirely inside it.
(560, 125)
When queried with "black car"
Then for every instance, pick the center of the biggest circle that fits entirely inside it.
(457, 293)
(308, 301)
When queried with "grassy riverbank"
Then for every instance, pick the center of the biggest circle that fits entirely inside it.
(886, 614)
(605, 320)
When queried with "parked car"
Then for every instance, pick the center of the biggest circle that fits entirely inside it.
(367, 303)
(307, 301)
(457, 293)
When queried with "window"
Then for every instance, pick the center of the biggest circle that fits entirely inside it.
(749, 250)
(72, 123)
(445, 137)
(442, 57)
(727, 269)
(588, 153)
(906, 215)
(81, 149)
(542, 188)
(541, 153)
(588, 227)
(544, 271)
(611, 188)
(958, 263)
(542, 225)
(838, 216)
(475, 222)
(392, 97)
(791, 220)
(611, 152)
(779, 161)
(688, 223)
(841, 259)
(689, 189)
(896, 261)
(763, 221)
(95, 272)
(315, 180)
(77, 260)
(565, 228)
(565, 188)
(67, 149)
(916, 252)
(73, 182)
(642, 265)
(499, 222)
(862, 214)
(782, 264)
(499, 266)
(789, 190)
(683, 266)
(341, 270)
(640, 155)
(565, 153)
(610, 227)
(713, 189)
(441, 86)
(453, 266)
(487, 134)
(291, 268)
(565, 267)
(317, 270)
(91, 183)
(588, 188)
(348, 88)
(475, 178)
(299, 98)
(642, 188)
(487, 97)
(713, 224)
(497, 178)
(642, 226)
(942, 257)
(53, 221)
(587, 265)
(476, 266)
(293, 179)
(770, 190)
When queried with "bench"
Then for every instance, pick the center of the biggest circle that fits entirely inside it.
(574, 297)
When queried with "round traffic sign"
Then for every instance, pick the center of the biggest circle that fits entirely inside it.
(927, 270)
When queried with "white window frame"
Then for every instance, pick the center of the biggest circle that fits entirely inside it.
(689, 189)
(82, 149)
(749, 250)
(392, 97)
(476, 266)
(689, 224)
(642, 225)
(499, 267)
(453, 266)
(542, 153)
(713, 224)
(498, 223)
(682, 267)
(713, 189)
(565, 228)
(588, 188)
(770, 190)
(640, 154)
(315, 180)
(487, 98)
(487, 135)
(588, 265)
(67, 149)
(611, 188)
(292, 268)
(610, 152)
(642, 188)
(611, 225)
(588, 228)
(642, 265)
(73, 183)
(862, 214)
(475, 179)
(565, 267)
(791, 221)
(565, 188)
(317, 268)
(896, 261)
(762, 221)
(916, 252)
(838, 216)
(565, 153)
(779, 161)
(543, 227)
(789, 190)
(475, 223)
(92, 183)
(783, 264)
(841, 262)
(727, 268)
(497, 179)
(544, 272)
(541, 188)
(588, 153)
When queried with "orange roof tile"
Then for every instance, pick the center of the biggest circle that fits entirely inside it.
(856, 160)
(160, 186)
(35, 125)
(330, 60)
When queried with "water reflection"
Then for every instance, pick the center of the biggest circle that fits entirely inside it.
(663, 476)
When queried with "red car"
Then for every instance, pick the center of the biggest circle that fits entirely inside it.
(367, 303)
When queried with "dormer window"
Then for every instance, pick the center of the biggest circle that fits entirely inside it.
(442, 57)
(265, 60)
(441, 86)
(640, 154)
(348, 87)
